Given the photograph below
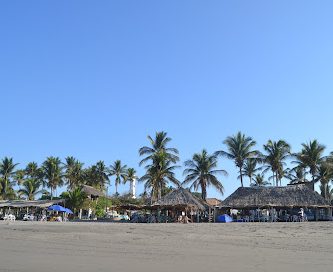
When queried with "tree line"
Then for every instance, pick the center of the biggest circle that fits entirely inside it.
(160, 162)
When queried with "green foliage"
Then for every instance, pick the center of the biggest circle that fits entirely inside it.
(276, 154)
(201, 172)
(240, 149)
(75, 199)
(7, 172)
(161, 159)
(52, 173)
(120, 172)
(31, 188)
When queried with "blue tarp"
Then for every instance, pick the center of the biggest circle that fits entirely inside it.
(224, 218)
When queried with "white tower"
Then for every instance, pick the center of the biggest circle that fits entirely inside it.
(133, 188)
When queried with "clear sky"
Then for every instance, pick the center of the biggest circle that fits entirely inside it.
(93, 78)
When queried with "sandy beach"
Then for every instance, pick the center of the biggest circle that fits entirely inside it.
(38, 246)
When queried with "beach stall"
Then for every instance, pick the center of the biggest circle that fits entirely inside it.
(181, 205)
(26, 209)
(287, 203)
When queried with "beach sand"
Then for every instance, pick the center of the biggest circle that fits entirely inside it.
(44, 246)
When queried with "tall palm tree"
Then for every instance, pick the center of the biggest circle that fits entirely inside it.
(201, 172)
(240, 148)
(250, 169)
(158, 174)
(326, 191)
(161, 161)
(259, 180)
(7, 171)
(33, 171)
(119, 171)
(52, 173)
(158, 144)
(311, 156)
(131, 177)
(325, 176)
(276, 154)
(99, 172)
(30, 189)
(73, 172)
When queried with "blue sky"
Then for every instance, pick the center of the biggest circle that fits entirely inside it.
(92, 80)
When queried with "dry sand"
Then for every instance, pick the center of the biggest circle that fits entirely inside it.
(38, 246)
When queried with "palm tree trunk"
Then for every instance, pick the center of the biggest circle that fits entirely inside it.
(241, 175)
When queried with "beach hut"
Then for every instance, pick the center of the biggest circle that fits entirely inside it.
(92, 192)
(280, 198)
(182, 200)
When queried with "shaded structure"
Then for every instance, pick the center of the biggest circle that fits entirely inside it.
(29, 203)
(181, 199)
(92, 192)
(287, 198)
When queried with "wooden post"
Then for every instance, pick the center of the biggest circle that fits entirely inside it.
(316, 214)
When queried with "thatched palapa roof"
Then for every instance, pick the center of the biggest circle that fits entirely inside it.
(283, 197)
(91, 191)
(29, 203)
(181, 198)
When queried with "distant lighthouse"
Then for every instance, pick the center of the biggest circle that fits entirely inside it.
(133, 188)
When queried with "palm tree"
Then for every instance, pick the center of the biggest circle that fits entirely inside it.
(33, 171)
(325, 176)
(326, 191)
(52, 173)
(239, 150)
(157, 145)
(311, 156)
(296, 175)
(259, 180)
(250, 168)
(31, 188)
(119, 171)
(19, 177)
(75, 199)
(131, 177)
(161, 159)
(158, 174)
(97, 175)
(201, 172)
(7, 171)
(73, 173)
(276, 154)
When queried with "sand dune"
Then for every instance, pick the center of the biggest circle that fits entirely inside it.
(38, 246)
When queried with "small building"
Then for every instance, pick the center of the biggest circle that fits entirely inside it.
(91, 192)
(282, 199)
(181, 199)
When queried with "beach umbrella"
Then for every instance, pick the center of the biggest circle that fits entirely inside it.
(68, 211)
(57, 208)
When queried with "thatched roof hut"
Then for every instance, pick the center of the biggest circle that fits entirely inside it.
(279, 197)
(91, 191)
(181, 199)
